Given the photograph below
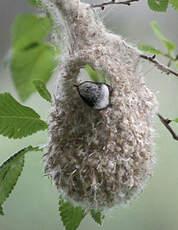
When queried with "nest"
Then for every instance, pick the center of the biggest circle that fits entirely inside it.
(99, 159)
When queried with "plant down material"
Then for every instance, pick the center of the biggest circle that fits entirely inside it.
(99, 158)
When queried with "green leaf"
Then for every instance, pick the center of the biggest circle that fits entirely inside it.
(71, 216)
(35, 3)
(158, 32)
(103, 77)
(96, 75)
(10, 170)
(92, 73)
(29, 29)
(176, 120)
(170, 45)
(42, 90)
(174, 4)
(16, 120)
(158, 5)
(35, 63)
(1, 211)
(149, 49)
(97, 216)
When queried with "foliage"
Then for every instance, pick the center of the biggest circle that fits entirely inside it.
(71, 216)
(174, 4)
(10, 170)
(176, 120)
(42, 90)
(32, 58)
(158, 5)
(32, 63)
(28, 29)
(35, 3)
(162, 5)
(97, 216)
(96, 75)
(150, 49)
(169, 45)
(16, 120)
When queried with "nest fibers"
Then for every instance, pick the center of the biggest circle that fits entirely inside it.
(100, 158)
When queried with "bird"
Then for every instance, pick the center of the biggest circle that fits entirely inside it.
(95, 94)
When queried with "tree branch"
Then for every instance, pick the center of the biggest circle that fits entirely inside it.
(159, 65)
(166, 123)
(113, 2)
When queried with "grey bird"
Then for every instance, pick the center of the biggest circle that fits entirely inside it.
(95, 94)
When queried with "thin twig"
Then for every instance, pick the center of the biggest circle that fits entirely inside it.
(159, 65)
(166, 123)
(113, 2)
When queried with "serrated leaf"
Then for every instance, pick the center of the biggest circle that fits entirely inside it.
(176, 120)
(71, 216)
(16, 120)
(158, 32)
(10, 170)
(29, 29)
(97, 216)
(174, 4)
(158, 5)
(1, 211)
(42, 90)
(35, 63)
(149, 49)
(35, 3)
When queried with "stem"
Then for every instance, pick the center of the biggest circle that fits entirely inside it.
(113, 2)
(159, 65)
(166, 123)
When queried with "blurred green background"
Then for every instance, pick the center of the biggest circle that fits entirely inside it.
(34, 202)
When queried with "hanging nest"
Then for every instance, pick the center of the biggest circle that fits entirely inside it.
(99, 159)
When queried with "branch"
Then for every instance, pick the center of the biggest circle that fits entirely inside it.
(113, 2)
(166, 123)
(159, 65)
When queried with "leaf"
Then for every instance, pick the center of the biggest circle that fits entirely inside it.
(170, 45)
(71, 216)
(97, 216)
(96, 75)
(158, 32)
(149, 49)
(28, 29)
(158, 5)
(176, 120)
(16, 120)
(10, 170)
(174, 4)
(42, 90)
(35, 3)
(103, 77)
(92, 73)
(35, 63)
(1, 211)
